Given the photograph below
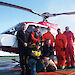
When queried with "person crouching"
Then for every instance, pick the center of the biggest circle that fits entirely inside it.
(34, 59)
(47, 55)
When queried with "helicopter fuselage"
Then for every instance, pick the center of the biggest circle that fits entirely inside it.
(8, 40)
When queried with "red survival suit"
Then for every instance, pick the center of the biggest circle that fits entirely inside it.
(70, 48)
(50, 36)
(60, 43)
(35, 36)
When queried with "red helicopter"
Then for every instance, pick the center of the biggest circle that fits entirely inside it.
(8, 41)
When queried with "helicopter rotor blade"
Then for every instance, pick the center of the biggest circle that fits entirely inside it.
(68, 13)
(44, 15)
(18, 7)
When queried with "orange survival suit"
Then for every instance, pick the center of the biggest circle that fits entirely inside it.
(70, 48)
(60, 45)
(35, 36)
(50, 36)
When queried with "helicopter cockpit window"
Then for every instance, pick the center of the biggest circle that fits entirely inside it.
(31, 28)
(43, 30)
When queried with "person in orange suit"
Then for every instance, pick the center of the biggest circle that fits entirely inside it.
(60, 47)
(70, 47)
(49, 35)
(36, 35)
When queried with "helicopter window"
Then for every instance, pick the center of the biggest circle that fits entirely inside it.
(43, 30)
(31, 28)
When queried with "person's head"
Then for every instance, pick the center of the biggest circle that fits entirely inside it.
(38, 28)
(48, 29)
(58, 30)
(24, 27)
(67, 29)
(48, 41)
(38, 44)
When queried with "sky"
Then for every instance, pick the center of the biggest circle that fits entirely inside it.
(12, 16)
(9, 17)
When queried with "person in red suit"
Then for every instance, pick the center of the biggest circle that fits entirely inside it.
(49, 35)
(60, 47)
(36, 35)
(70, 47)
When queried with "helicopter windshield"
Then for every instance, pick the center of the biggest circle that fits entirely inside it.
(43, 30)
(31, 28)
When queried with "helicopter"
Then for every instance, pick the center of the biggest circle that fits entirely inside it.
(8, 40)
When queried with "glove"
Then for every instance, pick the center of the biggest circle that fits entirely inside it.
(64, 49)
